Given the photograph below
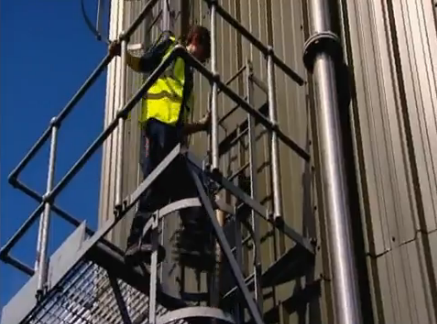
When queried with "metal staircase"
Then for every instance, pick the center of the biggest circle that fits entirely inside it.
(86, 279)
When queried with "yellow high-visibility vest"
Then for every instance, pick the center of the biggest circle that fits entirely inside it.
(164, 99)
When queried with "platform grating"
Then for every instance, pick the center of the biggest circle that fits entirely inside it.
(87, 297)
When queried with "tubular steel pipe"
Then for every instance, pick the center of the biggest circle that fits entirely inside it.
(60, 212)
(79, 94)
(121, 114)
(236, 75)
(253, 188)
(120, 146)
(62, 115)
(99, 17)
(19, 265)
(30, 154)
(247, 107)
(259, 83)
(214, 112)
(229, 113)
(274, 153)
(177, 51)
(43, 234)
(21, 231)
(165, 24)
(256, 42)
(319, 48)
(136, 23)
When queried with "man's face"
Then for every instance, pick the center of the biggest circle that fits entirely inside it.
(198, 52)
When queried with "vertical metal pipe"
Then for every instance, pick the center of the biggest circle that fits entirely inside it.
(238, 309)
(43, 232)
(120, 133)
(99, 18)
(153, 273)
(214, 88)
(277, 202)
(38, 243)
(165, 23)
(153, 270)
(253, 188)
(344, 275)
(214, 137)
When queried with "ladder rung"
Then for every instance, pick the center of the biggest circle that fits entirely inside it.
(259, 83)
(249, 283)
(243, 242)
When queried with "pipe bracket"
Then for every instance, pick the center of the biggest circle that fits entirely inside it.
(322, 42)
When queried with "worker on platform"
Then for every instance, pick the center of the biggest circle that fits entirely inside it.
(165, 122)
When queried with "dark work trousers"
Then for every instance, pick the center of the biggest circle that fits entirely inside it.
(174, 183)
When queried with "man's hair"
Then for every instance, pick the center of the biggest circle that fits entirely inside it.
(202, 36)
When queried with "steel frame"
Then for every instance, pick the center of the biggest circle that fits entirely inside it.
(46, 201)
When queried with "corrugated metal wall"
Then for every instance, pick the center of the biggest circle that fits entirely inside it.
(391, 46)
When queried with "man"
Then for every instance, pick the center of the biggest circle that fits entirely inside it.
(165, 123)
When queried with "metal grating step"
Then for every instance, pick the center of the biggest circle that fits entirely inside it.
(80, 289)
(87, 297)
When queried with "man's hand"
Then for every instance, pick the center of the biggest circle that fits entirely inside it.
(202, 125)
(205, 121)
(114, 48)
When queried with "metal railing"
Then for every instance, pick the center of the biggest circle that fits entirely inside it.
(46, 202)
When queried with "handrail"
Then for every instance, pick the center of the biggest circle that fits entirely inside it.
(91, 149)
(256, 42)
(246, 106)
(178, 51)
(78, 95)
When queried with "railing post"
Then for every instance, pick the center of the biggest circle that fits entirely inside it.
(214, 88)
(253, 189)
(321, 51)
(43, 232)
(277, 201)
(120, 130)
(165, 24)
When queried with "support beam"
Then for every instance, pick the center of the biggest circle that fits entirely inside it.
(250, 303)
(119, 299)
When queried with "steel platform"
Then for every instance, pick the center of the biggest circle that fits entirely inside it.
(90, 283)
(87, 279)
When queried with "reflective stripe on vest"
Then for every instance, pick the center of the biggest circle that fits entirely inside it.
(164, 99)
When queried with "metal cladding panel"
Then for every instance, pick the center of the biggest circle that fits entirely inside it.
(122, 15)
(403, 291)
(389, 194)
(389, 44)
(395, 107)
(417, 39)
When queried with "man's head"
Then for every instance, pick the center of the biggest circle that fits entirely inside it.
(198, 42)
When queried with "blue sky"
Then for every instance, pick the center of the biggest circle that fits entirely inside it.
(46, 53)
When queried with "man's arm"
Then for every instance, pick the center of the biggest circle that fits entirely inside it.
(149, 61)
(201, 125)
